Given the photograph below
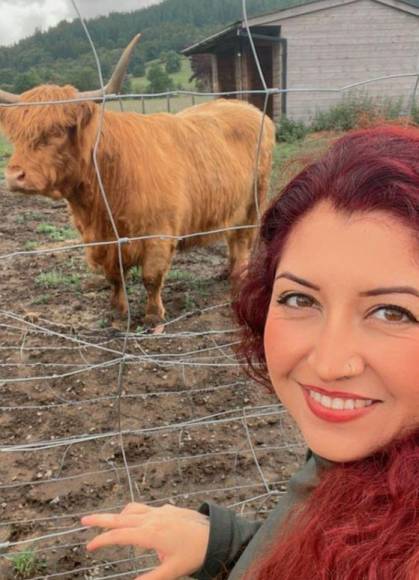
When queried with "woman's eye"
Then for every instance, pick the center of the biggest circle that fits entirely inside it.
(394, 314)
(296, 300)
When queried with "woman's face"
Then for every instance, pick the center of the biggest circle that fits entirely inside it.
(342, 332)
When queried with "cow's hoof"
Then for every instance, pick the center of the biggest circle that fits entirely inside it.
(154, 324)
(159, 329)
(119, 324)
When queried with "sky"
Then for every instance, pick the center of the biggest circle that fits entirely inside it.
(20, 18)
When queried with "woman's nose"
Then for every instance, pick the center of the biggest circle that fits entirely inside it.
(336, 353)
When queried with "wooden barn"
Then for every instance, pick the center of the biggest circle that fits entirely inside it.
(323, 45)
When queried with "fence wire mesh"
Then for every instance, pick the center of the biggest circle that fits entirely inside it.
(94, 416)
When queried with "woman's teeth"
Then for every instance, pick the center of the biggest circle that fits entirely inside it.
(336, 403)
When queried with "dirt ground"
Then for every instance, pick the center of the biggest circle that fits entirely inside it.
(178, 410)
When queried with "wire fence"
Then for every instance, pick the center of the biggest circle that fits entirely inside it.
(93, 415)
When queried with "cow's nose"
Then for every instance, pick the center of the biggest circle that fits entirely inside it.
(15, 177)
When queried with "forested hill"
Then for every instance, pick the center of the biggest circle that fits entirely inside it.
(63, 54)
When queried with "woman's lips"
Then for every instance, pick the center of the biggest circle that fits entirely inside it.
(335, 394)
(336, 415)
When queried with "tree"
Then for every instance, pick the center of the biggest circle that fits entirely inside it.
(138, 69)
(167, 26)
(26, 81)
(159, 80)
(84, 79)
(137, 66)
(172, 61)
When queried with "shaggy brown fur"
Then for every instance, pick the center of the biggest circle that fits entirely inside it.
(162, 174)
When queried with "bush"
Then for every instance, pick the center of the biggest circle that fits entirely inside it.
(357, 111)
(289, 131)
(172, 62)
(415, 114)
(159, 80)
(138, 70)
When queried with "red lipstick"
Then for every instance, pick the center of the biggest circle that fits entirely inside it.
(336, 415)
(332, 394)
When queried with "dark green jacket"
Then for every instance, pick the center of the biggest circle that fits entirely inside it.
(235, 543)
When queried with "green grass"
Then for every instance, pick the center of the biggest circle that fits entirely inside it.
(5, 152)
(135, 274)
(189, 302)
(290, 158)
(41, 299)
(57, 234)
(30, 245)
(180, 276)
(28, 216)
(26, 564)
(56, 279)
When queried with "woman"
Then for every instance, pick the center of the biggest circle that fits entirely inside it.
(329, 312)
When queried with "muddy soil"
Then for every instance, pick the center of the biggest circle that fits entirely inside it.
(92, 416)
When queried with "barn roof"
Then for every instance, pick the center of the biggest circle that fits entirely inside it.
(289, 8)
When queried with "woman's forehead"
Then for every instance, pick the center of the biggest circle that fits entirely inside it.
(371, 245)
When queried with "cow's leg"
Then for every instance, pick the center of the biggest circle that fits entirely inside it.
(118, 300)
(239, 244)
(156, 262)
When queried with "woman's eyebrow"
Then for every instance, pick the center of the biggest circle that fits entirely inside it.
(391, 290)
(373, 292)
(298, 280)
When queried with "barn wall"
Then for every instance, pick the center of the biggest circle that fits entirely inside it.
(226, 71)
(343, 44)
(277, 80)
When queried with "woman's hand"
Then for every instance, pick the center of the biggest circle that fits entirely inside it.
(179, 536)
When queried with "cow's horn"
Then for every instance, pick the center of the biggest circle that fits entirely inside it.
(115, 82)
(6, 97)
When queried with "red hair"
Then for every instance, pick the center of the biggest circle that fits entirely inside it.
(364, 171)
(362, 521)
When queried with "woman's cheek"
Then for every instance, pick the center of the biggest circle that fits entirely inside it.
(398, 365)
(284, 345)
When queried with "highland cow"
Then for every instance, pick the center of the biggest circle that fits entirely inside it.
(165, 176)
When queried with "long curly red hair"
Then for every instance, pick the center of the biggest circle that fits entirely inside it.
(362, 521)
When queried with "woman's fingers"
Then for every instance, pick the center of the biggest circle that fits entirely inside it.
(136, 508)
(122, 537)
(112, 520)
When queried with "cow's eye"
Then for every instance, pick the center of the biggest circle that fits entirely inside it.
(40, 141)
(72, 132)
(56, 133)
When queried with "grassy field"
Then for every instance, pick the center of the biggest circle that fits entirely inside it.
(180, 79)
(5, 150)
(290, 158)
(172, 104)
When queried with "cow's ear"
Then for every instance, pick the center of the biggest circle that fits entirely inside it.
(83, 133)
(84, 114)
(79, 130)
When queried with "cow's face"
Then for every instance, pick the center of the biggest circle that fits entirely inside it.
(41, 165)
(47, 140)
